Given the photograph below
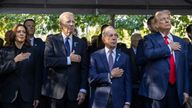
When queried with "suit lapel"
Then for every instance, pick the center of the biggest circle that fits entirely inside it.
(159, 39)
(117, 58)
(104, 59)
(176, 52)
(61, 44)
(74, 43)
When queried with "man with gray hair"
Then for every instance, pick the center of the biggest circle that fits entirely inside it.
(66, 64)
(109, 74)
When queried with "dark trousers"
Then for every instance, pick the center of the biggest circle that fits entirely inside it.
(109, 102)
(18, 103)
(137, 100)
(63, 103)
(171, 100)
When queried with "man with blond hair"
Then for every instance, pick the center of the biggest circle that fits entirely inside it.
(165, 82)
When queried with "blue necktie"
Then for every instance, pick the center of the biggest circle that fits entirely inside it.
(67, 47)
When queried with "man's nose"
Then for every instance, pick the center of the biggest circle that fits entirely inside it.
(71, 23)
(167, 20)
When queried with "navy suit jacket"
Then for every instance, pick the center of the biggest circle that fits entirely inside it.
(60, 76)
(99, 79)
(156, 71)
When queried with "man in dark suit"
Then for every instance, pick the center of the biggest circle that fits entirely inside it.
(38, 45)
(165, 82)
(137, 101)
(67, 68)
(110, 74)
(189, 34)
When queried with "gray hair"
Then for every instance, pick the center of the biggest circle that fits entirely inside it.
(64, 14)
(105, 30)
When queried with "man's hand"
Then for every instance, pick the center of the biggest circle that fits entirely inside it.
(22, 56)
(186, 97)
(35, 103)
(75, 57)
(116, 72)
(81, 97)
(175, 46)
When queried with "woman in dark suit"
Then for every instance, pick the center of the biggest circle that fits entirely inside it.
(19, 76)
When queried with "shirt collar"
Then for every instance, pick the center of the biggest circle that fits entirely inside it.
(64, 36)
(32, 38)
(107, 50)
(134, 49)
(168, 35)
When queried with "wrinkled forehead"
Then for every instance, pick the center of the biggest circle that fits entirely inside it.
(29, 23)
(109, 29)
(66, 17)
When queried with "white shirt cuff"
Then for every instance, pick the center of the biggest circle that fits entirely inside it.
(68, 60)
(109, 78)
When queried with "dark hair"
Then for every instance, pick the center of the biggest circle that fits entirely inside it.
(1, 42)
(103, 27)
(189, 28)
(29, 20)
(8, 37)
(149, 20)
(13, 35)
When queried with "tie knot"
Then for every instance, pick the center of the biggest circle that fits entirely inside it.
(165, 37)
(67, 38)
(110, 51)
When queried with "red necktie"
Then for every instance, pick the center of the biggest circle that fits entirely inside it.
(172, 75)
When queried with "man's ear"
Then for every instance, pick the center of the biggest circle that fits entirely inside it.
(103, 39)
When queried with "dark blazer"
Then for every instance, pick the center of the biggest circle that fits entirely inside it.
(190, 65)
(140, 56)
(60, 76)
(156, 72)
(22, 76)
(39, 46)
(135, 69)
(99, 79)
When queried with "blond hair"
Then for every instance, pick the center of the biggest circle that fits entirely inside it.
(159, 13)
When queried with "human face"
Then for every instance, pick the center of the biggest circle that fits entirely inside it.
(68, 24)
(164, 22)
(135, 41)
(110, 38)
(20, 34)
(30, 27)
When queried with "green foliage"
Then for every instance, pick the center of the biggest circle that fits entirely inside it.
(180, 23)
(48, 23)
(83, 21)
(130, 22)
